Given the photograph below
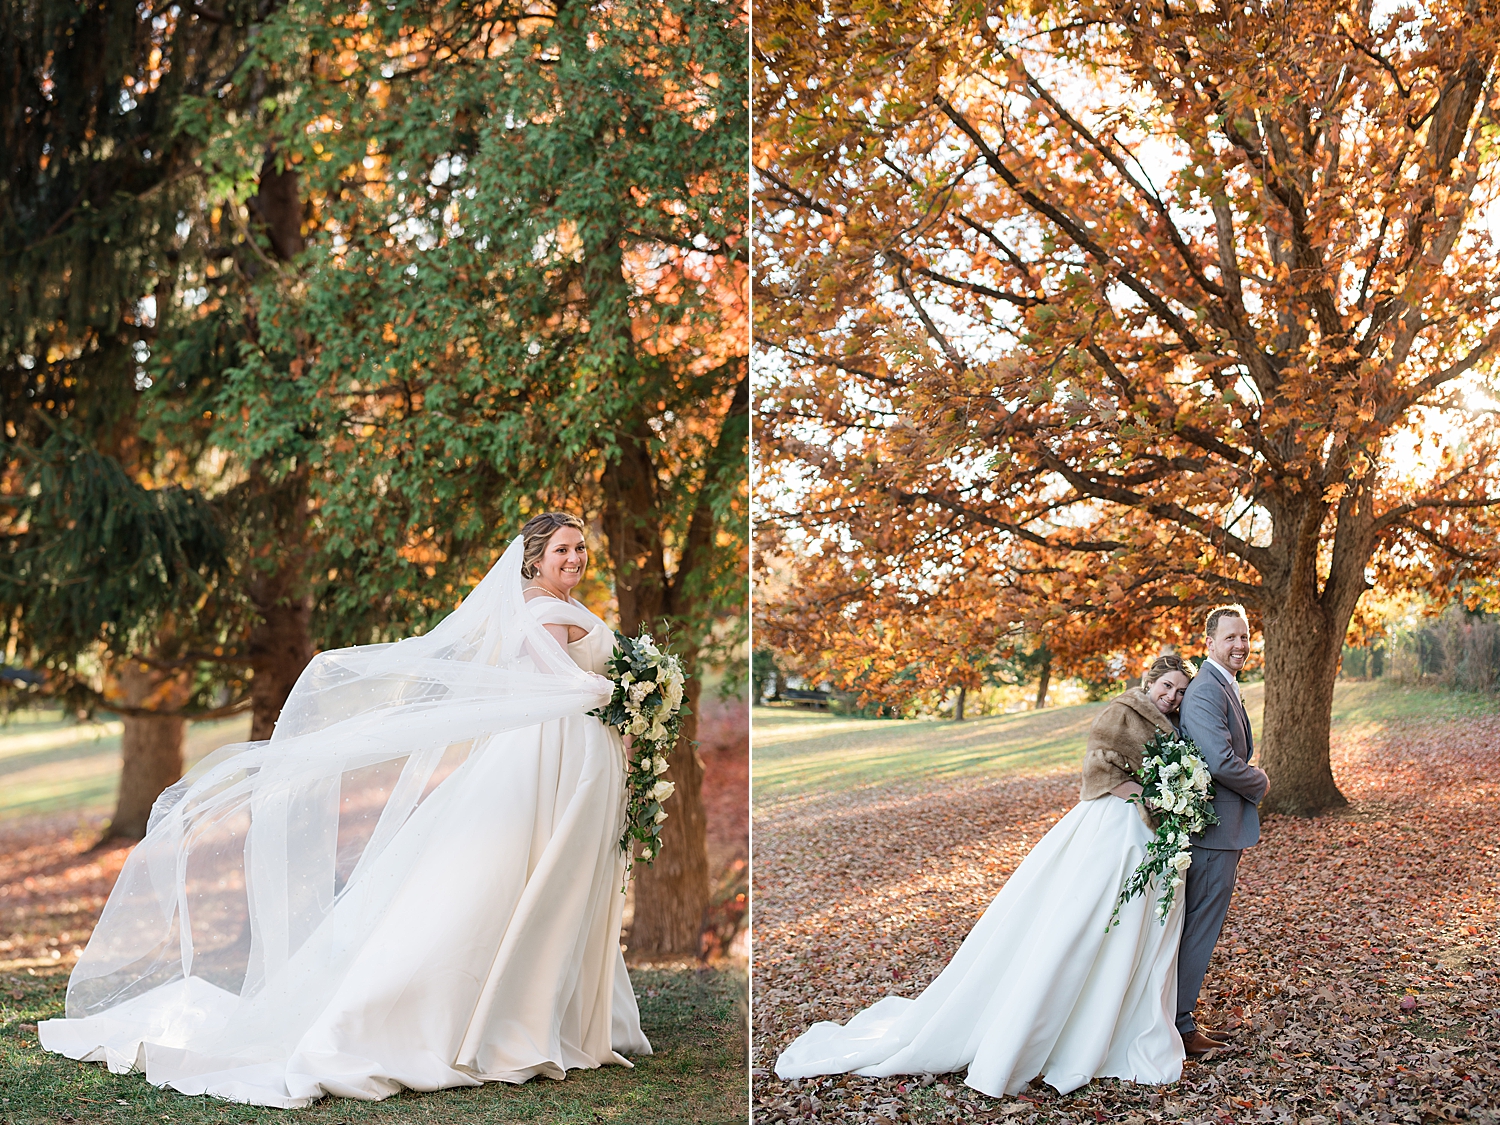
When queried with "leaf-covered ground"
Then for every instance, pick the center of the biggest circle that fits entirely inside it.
(1357, 970)
(53, 883)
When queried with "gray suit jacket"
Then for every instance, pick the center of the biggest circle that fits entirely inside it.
(1213, 717)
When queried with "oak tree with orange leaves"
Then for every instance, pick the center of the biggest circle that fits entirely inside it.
(1081, 318)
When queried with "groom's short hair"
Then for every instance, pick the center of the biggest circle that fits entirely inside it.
(1218, 613)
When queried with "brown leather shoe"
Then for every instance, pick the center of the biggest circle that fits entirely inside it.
(1196, 1043)
(1216, 1035)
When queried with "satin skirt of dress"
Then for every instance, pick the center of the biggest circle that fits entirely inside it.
(1037, 988)
(484, 946)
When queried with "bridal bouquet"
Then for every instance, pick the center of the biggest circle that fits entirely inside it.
(1179, 791)
(647, 706)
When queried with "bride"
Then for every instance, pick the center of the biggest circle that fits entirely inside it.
(416, 882)
(1038, 986)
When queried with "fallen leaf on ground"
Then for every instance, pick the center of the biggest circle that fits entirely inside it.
(1357, 970)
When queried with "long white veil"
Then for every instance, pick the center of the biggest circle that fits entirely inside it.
(251, 851)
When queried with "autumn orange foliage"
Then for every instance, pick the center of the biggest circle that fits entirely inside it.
(1078, 320)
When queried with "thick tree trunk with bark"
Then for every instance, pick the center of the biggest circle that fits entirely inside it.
(1304, 636)
(633, 533)
(280, 644)
(1305, 617)
(151, 759)
(958, 705)
(671, 896)
(1302, 647)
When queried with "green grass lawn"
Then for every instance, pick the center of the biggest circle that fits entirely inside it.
(51, 766)
(799, 752)
(695, 1019)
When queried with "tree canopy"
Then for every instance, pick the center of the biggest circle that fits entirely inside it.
(1085, 318)
(509, 274)
(415, 272)
(521, 239)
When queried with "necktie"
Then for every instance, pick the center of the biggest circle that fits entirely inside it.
(1239, 699)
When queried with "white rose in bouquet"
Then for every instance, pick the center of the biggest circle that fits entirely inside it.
(663, 789)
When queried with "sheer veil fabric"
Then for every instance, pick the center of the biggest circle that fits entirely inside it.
(415, 882)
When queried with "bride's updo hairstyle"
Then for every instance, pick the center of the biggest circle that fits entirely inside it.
(1171, 662)
(537, 532)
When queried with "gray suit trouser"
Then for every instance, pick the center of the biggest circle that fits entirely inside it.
(1209, 886)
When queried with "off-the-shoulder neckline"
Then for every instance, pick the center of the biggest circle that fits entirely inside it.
(565, 601)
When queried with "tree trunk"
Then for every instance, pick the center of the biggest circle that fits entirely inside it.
(278, 202)
(280, 647)
(152, 743)
(1302, 646)
(958, 705)
(671, 896)
(151, 759)
(633, 534)
(1042, 683)
(280, 642)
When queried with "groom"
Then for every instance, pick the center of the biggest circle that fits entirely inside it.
(1213, 716)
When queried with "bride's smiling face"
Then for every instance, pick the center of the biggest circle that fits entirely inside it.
(1166, 692)
(562, 564)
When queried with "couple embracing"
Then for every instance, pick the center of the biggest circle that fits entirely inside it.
(1043, 985)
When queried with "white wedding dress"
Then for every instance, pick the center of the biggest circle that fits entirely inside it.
(416, 882)
(1037, 988)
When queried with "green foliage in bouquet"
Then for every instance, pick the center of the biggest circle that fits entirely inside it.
(646, 707)
(1178, 789)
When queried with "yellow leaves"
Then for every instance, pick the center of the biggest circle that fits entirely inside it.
(1335, 492)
